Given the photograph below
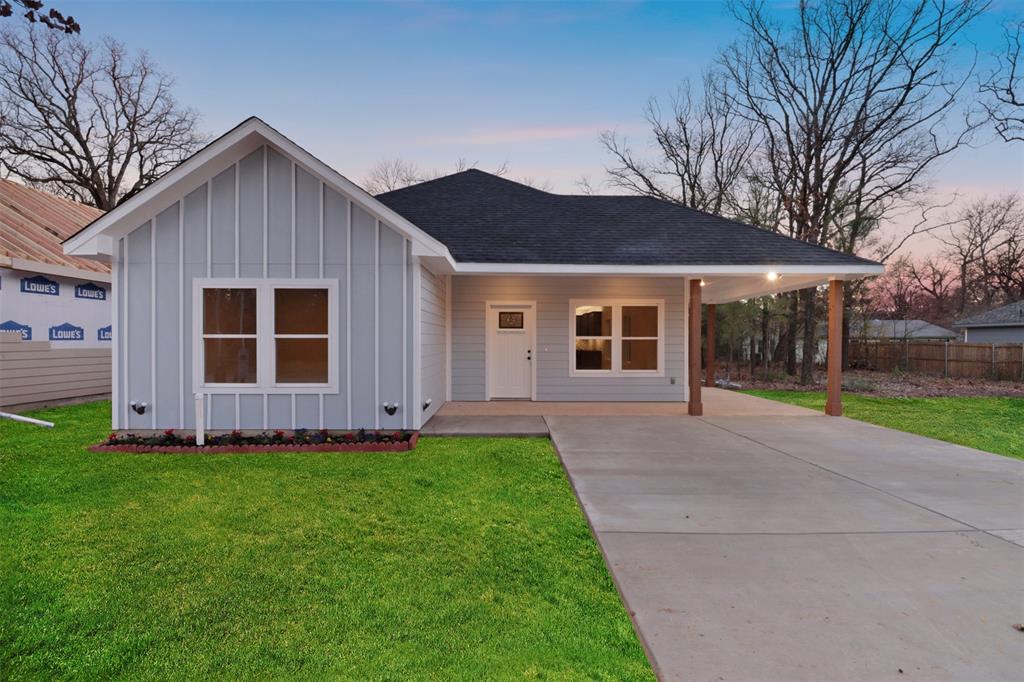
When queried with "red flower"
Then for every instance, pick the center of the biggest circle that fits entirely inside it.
(169, 432)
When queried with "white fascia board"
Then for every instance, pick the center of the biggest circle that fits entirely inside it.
(212, 159)
(162, 193)
(846, 271)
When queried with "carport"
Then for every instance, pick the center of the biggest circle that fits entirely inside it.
(797, 547)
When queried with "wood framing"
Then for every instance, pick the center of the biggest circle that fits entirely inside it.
(834, 401)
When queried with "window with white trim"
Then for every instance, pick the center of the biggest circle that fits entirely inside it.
(618, 337)
(259, 336)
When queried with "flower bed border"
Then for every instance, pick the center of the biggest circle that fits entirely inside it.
(282, 447)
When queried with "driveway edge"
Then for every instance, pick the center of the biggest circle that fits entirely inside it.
(648, 651)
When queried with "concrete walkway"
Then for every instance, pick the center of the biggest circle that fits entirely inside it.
(527, 418)
(787, 547)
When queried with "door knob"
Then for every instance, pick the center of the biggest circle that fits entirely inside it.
(529, 354)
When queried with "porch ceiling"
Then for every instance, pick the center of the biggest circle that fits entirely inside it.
(728, 288)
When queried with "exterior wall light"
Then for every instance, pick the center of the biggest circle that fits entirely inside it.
(772, 276)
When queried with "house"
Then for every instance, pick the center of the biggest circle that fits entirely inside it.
(998, 325)
(44, 293)
(899, 330)
(254, 287)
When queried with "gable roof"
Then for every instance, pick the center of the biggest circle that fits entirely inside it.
(483, 218)
(1011, 315)
(33, 224)
(95, 239)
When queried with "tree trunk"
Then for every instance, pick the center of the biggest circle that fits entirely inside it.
(764, 339)
(791, 327)
(845, 360)
(807, 361)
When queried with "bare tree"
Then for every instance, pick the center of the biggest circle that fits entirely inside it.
(396, 173)
(1005, 87)
(939, 285)
(986, 246)
(34, 13)
(702, 150)
(854, 99)
(87, 121)
(391, 174)
(895, 295)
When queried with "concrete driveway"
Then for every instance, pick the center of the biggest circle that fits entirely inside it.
(805, 547)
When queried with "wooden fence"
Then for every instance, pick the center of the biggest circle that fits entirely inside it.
(33, 373)
(948, 359)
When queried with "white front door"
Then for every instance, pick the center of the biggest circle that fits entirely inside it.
(509, 350)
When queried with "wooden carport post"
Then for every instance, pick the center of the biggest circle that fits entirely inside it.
(709, 351)
(694, 407)
(834, 401)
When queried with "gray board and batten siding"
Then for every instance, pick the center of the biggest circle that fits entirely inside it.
(266, 216)
(555, 350)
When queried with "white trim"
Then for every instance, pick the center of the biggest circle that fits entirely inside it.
(348, 316)
(247, 136)
(181, 312)
(836, 271)
(294, 209)
(115, 332)
(448, 337)
(417, 343)
(530, 308)
(405, 335)
(238, 207)
(266, 245)
(209, 228)
(124, 341)
(616, 304)
(58, 270)
(265, 359)
(320, 251)
(376, 325)
(152, 322)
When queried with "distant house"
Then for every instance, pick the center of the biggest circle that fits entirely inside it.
(899, 330)
(998, 325)
(46, 295)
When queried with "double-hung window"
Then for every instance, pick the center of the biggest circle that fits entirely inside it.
(265, 336)
(616, 337)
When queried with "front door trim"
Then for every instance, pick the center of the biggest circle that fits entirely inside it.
(489, 328)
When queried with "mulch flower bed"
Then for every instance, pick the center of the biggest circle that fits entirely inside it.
(300, 440)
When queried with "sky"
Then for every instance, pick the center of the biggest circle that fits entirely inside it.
(530, 85)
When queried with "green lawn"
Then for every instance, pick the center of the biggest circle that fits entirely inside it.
(992, 424)
(466, 558)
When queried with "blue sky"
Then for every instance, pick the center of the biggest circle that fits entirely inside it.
(530, 84)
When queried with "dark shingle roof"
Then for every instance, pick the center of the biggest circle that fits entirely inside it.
(1011, 315)
(483, 218)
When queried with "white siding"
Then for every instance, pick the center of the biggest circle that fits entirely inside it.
(553, 352)
(432, 341)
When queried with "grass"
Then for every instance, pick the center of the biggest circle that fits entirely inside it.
(991, 424)
(466, 558)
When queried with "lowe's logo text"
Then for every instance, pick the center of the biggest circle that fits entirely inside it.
(67, 332)
(105, 333)
(91, 291)
(39, 285)
(12, 326)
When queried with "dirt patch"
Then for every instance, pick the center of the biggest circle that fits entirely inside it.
(896, 385)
